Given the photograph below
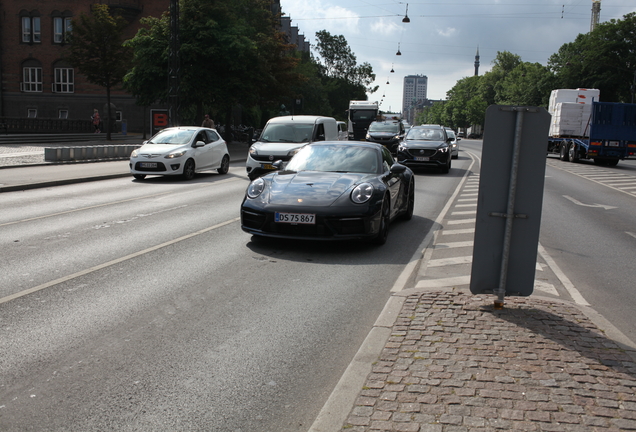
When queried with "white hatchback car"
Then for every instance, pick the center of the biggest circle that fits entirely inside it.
(183, 150)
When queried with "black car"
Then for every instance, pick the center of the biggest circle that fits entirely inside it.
(389, 133)
(332, 190)
(426, 146)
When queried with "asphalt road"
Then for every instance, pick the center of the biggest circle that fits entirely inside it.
(133, 305)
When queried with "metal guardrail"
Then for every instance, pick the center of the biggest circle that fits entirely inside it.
(88, 153)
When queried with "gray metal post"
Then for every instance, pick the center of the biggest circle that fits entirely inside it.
(512, 191)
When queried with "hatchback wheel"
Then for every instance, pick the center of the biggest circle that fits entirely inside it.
(139, 176)
(225, 165)
(188, 170)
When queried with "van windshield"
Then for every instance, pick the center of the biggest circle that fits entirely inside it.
(287, 133)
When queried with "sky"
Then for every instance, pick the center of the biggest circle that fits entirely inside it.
(442, 37)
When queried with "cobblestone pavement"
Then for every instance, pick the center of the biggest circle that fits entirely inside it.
(454, 363)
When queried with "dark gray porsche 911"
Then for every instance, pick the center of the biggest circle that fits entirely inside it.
(334, 190)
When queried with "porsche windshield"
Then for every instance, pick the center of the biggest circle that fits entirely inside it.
(172, 136)
(287, 132)
(335, 158)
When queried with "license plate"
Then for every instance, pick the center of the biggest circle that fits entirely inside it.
(421, 158)
(613, 144)
(267, 166)
(295, 218)
(148, 164)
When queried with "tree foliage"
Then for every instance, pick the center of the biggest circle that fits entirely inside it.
(230, 54)
(342, 78)
(96, 50)
(604, 59)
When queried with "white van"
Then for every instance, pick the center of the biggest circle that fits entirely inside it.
(283, 136)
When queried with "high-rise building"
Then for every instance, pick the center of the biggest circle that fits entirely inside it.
(413, 95)
(414, 91)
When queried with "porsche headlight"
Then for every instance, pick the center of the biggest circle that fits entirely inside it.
(255, 188)
(362, 193)
(176, 154)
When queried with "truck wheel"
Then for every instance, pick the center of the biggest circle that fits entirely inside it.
(573, 153)
(563, 153)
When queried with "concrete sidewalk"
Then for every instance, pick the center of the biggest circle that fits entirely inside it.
(441, 359)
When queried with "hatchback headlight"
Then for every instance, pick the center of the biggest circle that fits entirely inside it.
(134, 153)
(362, 193)
(176, 154)
(255, 188)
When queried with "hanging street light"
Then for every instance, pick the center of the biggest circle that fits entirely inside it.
(398, 53)
(406, 18)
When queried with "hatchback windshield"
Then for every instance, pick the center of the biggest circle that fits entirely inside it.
(384, 127)
(287, 133)
(173, 136)
(335, 158)
(425, 134)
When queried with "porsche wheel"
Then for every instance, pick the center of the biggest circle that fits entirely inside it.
(410, 201)
(385, 219)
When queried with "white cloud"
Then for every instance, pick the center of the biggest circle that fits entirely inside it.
(447, 32)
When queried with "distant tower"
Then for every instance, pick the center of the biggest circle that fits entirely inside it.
(596, 14)
(477, 62)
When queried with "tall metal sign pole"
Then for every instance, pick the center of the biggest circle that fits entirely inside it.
(509, 202)
(174, 69)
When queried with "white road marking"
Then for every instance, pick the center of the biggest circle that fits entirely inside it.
(606, 207)
(113, 262)
(569, 286)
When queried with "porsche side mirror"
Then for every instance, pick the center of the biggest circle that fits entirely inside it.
(397, 168)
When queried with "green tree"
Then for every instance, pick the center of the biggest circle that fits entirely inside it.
(342, 77)
(604, 58)
(230, 54)
(97, 51)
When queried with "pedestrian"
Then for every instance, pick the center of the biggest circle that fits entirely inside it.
(96, 121)
(208, 122)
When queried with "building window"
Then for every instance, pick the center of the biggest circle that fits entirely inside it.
(63, 114)
(31, 29)
(32, 79)
(61, 29)
(64, 80)
(32, 113)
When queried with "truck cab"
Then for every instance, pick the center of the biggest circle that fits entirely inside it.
(283, 136)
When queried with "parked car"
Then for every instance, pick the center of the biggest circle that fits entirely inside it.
(283, 136)
(331, 191)
(183, 151)
(426, 146)
(454, 144)
(343, 134)
(389, 133)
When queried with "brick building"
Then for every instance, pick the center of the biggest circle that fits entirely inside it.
(37, 83)
(38, 88)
